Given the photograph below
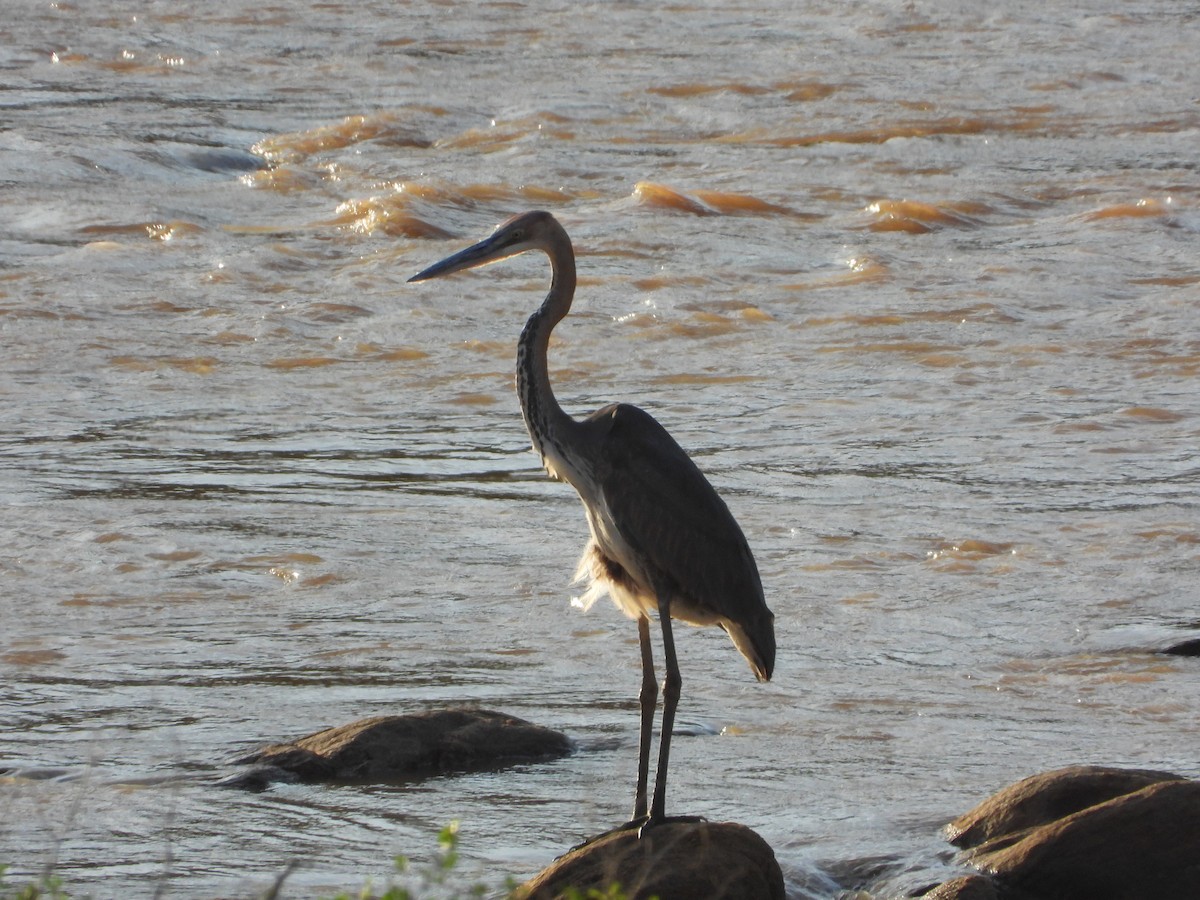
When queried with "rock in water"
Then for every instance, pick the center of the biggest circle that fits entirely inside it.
(672, 861)
(969, 887)
(1083, 833)
(387, 748)
(1185, 648)
(1140, 845)
(1045, 797)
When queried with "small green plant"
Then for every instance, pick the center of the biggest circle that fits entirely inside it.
(430, 881)
(47, 887)
(426, 882)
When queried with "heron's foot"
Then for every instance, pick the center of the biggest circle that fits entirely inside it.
(643, 825)
(638, 824)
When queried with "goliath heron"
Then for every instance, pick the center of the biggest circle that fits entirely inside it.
(661, 539)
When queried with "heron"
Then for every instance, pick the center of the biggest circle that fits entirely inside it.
(662, 540)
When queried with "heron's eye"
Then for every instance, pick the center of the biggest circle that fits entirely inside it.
(519, 234)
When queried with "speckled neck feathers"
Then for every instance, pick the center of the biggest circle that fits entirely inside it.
(545, 419)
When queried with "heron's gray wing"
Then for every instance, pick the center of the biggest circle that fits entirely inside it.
(668, 512)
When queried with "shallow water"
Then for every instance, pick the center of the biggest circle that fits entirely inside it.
(916, 287)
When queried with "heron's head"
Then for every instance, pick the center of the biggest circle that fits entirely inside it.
(527, 231)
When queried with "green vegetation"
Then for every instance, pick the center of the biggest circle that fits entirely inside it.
(427, 882)
(48, 887)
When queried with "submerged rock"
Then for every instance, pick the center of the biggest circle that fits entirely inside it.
(1185, 648)
(1083, 833)
(386, 748)
(679, 860)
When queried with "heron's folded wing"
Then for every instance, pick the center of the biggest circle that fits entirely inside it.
(668, 512)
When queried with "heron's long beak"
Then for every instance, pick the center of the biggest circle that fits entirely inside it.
(491, 249)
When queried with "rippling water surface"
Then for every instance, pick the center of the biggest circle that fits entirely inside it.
(916, 286)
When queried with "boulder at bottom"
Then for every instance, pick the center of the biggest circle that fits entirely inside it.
(1047, 797)
(1081, 833)
(1145, 844)
(677, 860)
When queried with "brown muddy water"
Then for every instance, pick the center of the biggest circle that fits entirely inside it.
(915, 283)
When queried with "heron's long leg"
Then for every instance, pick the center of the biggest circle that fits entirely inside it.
(671, 687)
(649, 699)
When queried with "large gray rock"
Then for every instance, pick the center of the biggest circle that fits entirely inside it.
(387, 748)
(1137, 846)
(1083, 833)
(1043, 798)
(672, 861)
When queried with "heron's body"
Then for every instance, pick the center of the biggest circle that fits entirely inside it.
(656, 519)
(662, 540)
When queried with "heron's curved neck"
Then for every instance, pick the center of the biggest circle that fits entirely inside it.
(548, 424)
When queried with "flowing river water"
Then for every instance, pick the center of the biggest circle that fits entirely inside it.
(916, 284)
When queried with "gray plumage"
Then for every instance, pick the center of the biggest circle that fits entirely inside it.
(662, 540)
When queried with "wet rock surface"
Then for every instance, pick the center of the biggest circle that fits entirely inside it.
(672, 861)
(1046, 797)
(1185, 648)
(969, 887)
(1082, 833)
(388, 748)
